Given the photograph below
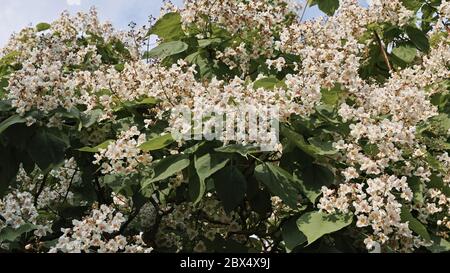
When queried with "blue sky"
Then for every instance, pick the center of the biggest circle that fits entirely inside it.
(16, 14)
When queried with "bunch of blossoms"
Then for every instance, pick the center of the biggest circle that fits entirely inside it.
(42, 83)
(17, 208)
(329, 49)
(62, 179)
(96, 233)
(123, 156)
(178, 91)
(257, 20)
(390, 11)
(137, 80)
(56, 65)
(444, 158)
(231, 105)
(435, 210)
(375, 205)
(444, 9)
(106, 88)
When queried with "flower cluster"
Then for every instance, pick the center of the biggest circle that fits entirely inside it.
(123, 155)
(17, 208)
(95, 233)
(259, 20)
(375, 205)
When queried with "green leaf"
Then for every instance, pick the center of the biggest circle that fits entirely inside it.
(157, 143)
(268, 83)
(164, 50)
(87, 120)
(9, 234)
(119, 67)
(315, 148)
(412, 4)
(331, 96)
(194, 148)
(322, 147)
(11, 121)
(418, 38)
(149, 100)
(327, 6)
(5, 105)
(42, 27)
(292, 236)
(316, 224)
(371, 149)
(206, 166)
(3, 85)
(115, 182)
(414, 224)
(312, 178)
(279, 182)
(167, 167)
(97, 148)
(238, 148)
(168, 27)
(197, 188)
(231, 186)
(47, 149)
(439, 245)
(406, 53)
(202, 63)
(417, 188)
(207, 42)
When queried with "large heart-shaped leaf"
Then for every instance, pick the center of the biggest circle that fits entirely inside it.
(157, 143)
(205, 166)
(11, 121)
(311, 180)
(279, 182)
(168, 27)
(47, 148)
(316, 224)
(167, 167)
(414, 224)
(164, 50)
(418, 38)
(231, 186)
(292, 236)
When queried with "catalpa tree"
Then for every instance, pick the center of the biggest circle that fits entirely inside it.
(246, 128)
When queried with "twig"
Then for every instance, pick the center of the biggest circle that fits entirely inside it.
(99, 191)
(40, 190)
(70, 185)
(159, 215)
(130, 219)
(383, 51)
(304, 10)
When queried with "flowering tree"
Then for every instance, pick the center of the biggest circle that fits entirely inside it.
(97, 153)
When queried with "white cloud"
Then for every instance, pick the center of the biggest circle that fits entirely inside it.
(74, 2)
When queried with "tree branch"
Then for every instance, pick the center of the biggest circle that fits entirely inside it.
(40, 190)
(383, 52)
